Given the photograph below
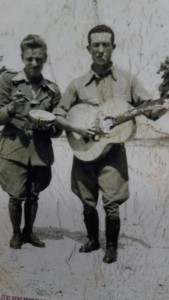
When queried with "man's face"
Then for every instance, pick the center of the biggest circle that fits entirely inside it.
(34, 60)
(101, 48)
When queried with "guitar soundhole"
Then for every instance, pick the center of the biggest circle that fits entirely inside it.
(86, 139)
(106, 124)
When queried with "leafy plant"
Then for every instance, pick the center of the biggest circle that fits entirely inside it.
(164, 86)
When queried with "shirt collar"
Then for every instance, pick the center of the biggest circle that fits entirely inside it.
(91, 75)
(21, 76)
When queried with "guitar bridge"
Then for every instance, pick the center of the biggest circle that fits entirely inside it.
(86, 139)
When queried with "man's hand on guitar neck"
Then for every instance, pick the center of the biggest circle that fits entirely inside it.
(154, 109)
(159, 109)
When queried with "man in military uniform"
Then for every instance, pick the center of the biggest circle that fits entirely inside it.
(109, 173)
(26, 152)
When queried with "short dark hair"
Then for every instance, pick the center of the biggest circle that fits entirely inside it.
(33, 41)
(101, 28)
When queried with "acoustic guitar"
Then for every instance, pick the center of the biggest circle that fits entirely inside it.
(114, 122)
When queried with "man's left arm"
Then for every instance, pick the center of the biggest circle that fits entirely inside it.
(140, 95)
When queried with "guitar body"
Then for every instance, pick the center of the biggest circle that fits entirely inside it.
(85, 115)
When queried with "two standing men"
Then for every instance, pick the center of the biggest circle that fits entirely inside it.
(26, 151)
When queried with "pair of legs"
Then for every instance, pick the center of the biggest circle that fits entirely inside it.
(15, 212)
(110, 175)
(23, 183)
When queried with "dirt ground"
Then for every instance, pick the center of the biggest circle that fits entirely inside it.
(59, 271)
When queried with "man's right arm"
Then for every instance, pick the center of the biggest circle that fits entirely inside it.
(8, 105)
(5, 91)
(67, 101)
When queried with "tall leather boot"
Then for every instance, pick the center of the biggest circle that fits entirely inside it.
(112, 233)
(30, 211)
(91, 221)
(15, 213)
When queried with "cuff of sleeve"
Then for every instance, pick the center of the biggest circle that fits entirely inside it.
(60, 112)
(55, 131)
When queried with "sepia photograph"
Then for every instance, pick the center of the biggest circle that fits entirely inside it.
(84, 159)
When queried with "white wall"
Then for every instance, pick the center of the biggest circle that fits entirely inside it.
(141, 30)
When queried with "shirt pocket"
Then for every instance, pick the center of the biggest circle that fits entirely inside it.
(88, 100)
(9, 146)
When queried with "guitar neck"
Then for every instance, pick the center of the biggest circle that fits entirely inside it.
(148, 106)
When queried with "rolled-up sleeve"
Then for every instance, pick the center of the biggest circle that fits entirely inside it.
(138, 93)
(67, 101)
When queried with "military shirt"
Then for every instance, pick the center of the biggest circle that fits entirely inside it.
(19, 141)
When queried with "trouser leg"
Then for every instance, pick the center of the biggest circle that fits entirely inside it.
(38, 179)
(30, 211)
(85, 186)
(15, 213)
(113, 183)
(13, 178)
(112, 229)
(112, 233)
(91, 221)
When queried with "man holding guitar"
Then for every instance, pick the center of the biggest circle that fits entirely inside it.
(103, 84)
